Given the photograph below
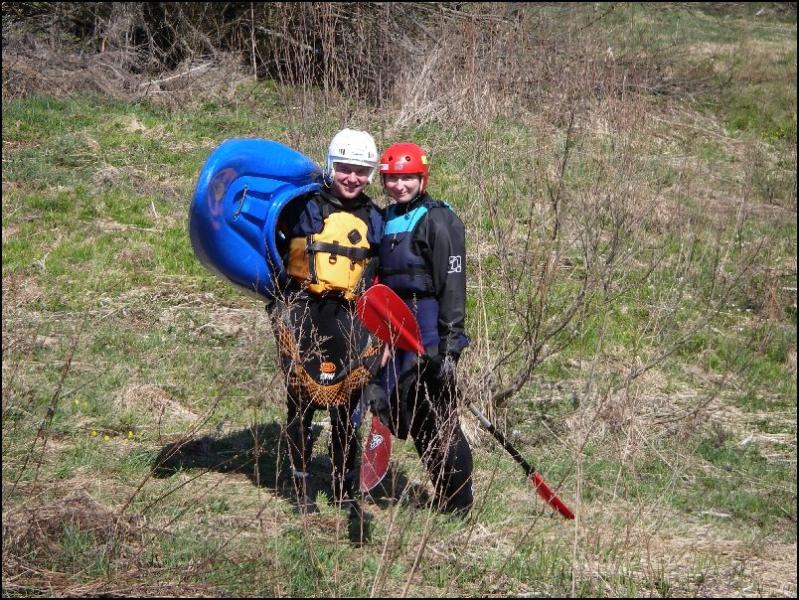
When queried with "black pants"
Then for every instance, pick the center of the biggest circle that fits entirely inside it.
(344, 444)
(443, 448)
(427, 410)
(320, 339)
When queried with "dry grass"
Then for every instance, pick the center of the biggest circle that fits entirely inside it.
(31, 67)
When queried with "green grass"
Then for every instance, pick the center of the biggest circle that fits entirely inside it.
(79, 554)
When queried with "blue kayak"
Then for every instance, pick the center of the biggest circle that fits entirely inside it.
(241, 190)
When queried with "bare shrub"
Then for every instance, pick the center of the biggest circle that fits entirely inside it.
(431, 61)
(571, 239)
(500, 60)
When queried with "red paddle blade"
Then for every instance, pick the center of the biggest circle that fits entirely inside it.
(543, 490)
(376, 454)
(389, 318)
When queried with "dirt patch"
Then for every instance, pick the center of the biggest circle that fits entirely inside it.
(732, 50)
(139, 255)
(110, 176)
(153, 400)
(229, 322)
(677, 556)
(41, 528)
(146, 184)
(791, 362)
(133, 125)
(11, 146)
(19, 289)
(251, 325)
(33, 539)
(727, 568)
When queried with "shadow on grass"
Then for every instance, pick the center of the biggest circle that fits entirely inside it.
(259, 452)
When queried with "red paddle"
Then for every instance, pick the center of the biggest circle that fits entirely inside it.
(377, 448)
(376, 455)
(397, 329)
(389, 318)
(386, 315)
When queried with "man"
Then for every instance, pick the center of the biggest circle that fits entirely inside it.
(329, 238)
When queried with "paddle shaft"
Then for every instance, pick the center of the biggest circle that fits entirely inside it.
(528, 469)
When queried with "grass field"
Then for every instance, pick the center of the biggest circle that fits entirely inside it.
(142, 406)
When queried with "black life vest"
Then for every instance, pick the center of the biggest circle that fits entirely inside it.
(401, 268)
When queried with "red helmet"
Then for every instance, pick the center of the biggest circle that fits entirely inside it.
(405, 157)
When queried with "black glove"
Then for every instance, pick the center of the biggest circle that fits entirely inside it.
(435, 371)
(438, 368)
(375, 397)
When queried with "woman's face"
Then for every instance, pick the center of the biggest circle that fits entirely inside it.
(402, 187)
(349, 180)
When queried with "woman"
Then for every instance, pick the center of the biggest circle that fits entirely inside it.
(422, 258)
(329, 239)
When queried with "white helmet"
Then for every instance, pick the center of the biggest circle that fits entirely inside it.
(352, 147)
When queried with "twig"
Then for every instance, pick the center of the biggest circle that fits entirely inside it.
(204, 67)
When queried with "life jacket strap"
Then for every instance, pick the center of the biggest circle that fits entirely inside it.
(351, 253)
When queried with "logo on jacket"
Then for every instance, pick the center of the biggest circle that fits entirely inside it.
(327, 371)
(455, 265)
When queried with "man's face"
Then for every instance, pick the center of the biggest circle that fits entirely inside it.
(402, 187)
(349, 180)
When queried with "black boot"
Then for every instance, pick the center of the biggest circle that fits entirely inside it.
(345, 490)
(359, 524)
(345, 497)
(306, 496)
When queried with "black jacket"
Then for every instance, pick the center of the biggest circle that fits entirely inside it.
(439, 238)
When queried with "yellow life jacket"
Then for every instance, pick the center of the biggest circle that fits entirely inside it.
(334, 259)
